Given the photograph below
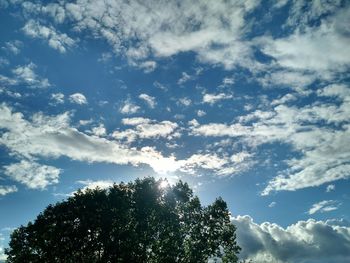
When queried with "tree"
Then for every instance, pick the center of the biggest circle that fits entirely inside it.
(135, 222)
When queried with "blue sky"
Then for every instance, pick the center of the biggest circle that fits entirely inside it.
(248, 100)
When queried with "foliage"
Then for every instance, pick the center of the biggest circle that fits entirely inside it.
(134, 222)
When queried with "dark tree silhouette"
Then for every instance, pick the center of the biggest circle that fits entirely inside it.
(134, 222)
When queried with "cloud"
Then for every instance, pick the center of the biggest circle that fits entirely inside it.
(13, 46)
(78, 98)
(213, 98)
(306, 49)
(185, 101)
(101, 184)
(298, 80)
(56, 40)
(201, 113)
(32, 174)
(221, 165)
(26, 75)
(2, 250)
(99, 131)
(214, 33)
(272, 204)
(324, 206)
(148, 66)
(129, 108)
(146, 128)
(330, 188)
(309, 130)
(58, 98)
(151, 101)
(53, 137)
(184, 78)
(7, 189)
(308, 241)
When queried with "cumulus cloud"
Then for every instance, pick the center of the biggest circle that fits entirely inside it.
(13, 46)
(78, 98)
(201, 113)
(7, 189)
(52, 136)
(129, 107)
(184, 78)
(55, 39)
(146, 128)
(305, 49)
(214, 33)
(308, 241)
(213, 98)
(324, 206)
(26, 75)
(57, 98)
(184, 101)
(99, 130)
(308, 129)
(272, 204)
(222, 165)
(151, 101)
(32, 174)
(330, 188)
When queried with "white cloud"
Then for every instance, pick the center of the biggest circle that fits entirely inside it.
(297, 80)
(213, 98)
(185, 101)
(307, 49)
(226, 82)
(129, 108)
(340, 91)
(151, 101)
(272, 204)
(135, 121)
(219, 130)
(13, 46)
(213, 33)
(58, 98)
(201, 113)
(324, 206)
(101, 184)
(221, 165)
(146, 128)
(78, 98)
(52, 136)
(26, 75)
(303, 242)
(324, 151)
(55, 39)
(2, 250)
(330, 188)
(147, 66)
(99, 130)
(184, 78)
(32, 174)
(7, 189)
(284, 99)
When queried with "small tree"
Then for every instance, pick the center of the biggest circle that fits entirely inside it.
(134, 222)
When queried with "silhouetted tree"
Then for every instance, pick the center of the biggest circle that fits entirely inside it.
(134, 222)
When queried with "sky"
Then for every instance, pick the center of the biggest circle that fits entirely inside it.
(248, 100)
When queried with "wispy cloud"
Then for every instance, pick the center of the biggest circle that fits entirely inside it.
(324, 206)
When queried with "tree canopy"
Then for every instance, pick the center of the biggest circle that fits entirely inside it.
(129, 222)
